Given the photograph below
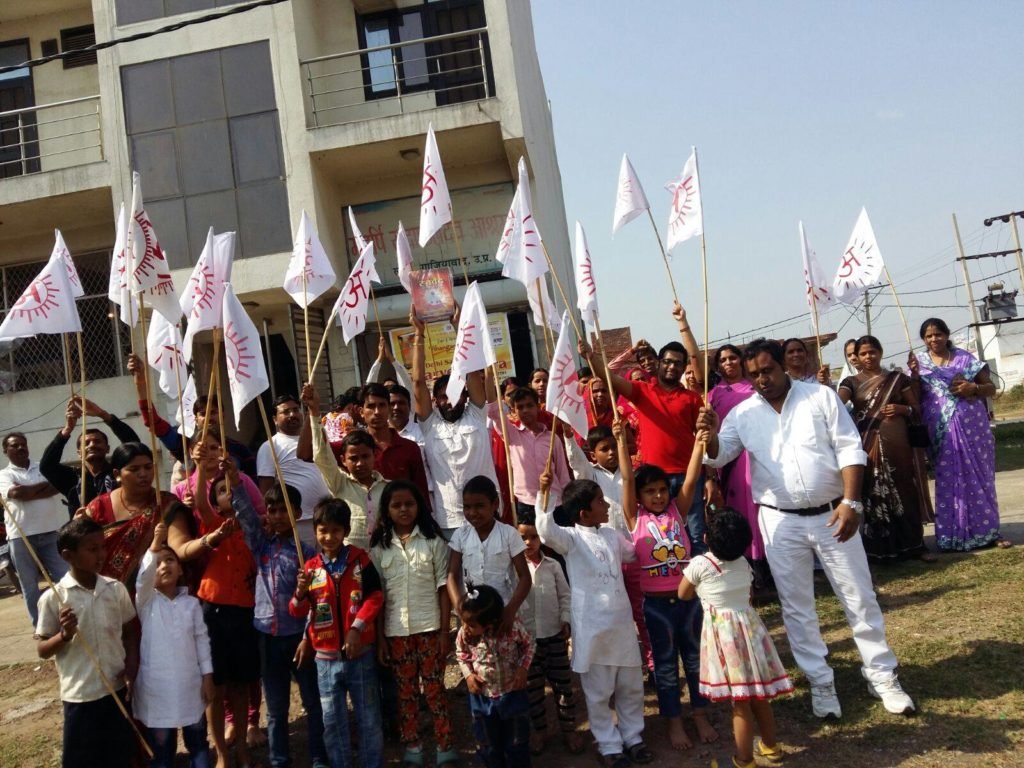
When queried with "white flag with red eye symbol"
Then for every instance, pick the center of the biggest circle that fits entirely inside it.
(166, 352)
(60, 251)
(686, 218)
(354, 299)
(861, 265)
(47, 305)
(630, 200)
(473, 350)
(186, 416)
(586, 288)
(247, 373)
(150, 274)
(521, 250)
(118, 289)
(309, 257)
(203, 302)
(435, 201)
(564, 398)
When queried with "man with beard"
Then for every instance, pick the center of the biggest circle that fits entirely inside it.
(292, 428)
(99, 477)
(456, 441)
(806, 471)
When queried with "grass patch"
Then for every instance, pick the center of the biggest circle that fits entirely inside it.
(1009, 446)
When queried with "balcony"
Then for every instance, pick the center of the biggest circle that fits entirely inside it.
(49, 137)
(398, 79)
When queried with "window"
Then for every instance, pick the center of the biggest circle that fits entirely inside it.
(45, 361)
(75, 39)
(133, 11)
(203, 131)
(407, 62)
(19, 146)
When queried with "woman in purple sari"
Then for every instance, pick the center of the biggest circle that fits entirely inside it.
(732, 390)
(954, 385)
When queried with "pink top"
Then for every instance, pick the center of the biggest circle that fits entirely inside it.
(662, 549)
(251, 489)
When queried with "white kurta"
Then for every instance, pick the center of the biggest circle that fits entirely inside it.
(602, 620)
(174, 656)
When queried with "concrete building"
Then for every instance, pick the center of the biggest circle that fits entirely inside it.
(241, 123)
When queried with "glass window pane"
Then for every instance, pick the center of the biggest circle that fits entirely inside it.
(414, 57)
(381, 70)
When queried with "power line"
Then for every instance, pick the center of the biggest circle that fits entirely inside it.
(140, 35)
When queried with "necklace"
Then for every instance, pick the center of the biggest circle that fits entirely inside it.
(943, 360)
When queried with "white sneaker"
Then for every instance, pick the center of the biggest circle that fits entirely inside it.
(894, 699)
(825, 702)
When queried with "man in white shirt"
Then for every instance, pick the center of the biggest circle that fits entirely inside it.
(301, 475)
(33, 511)
(807, 464)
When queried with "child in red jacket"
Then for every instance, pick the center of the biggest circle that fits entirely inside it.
(340, 591)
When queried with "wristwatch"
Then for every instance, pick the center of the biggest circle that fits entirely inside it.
(856, 506)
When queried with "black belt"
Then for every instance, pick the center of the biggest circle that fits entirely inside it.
(808, 511)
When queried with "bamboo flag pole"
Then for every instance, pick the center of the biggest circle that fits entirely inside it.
(607, 373)
(78, 637)
(305, 326)
(149, 394)
(664, 256)
(817, 329)
(548, 343)
(704, 275)
(1016, 244)
(327, 329)
(899, 307)
(280, 479)
(218, 333)
(376, 314)
(181, 407)
(565, 299)
(504, 436)
(68, 370)
(81, 394)
(458, 245)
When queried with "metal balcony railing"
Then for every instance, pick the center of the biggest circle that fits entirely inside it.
(48, 137)
(411, 76)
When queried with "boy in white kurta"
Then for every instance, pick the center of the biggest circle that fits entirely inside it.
(605, 651)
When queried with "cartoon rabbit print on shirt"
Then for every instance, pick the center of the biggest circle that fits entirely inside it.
(668, 553)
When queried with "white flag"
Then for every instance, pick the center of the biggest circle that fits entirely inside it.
(150, 273)
(60, 251)
(356, 234)
(118, 289)
(404, 258)
(630, 200)
(166, 352)
(539, 296)
(686, 219)
(354, 299)
(185, 415)
(861, 265)
(819, 290)
(46, 306)
(586, 288)
(563, 398)
(435, 202)
(309, 256)
(203, 301)
(520, 249)
(247, 374)
(473, 350)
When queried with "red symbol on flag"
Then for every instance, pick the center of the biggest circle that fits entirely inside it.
(203, 290)
(682, 199)
(239, 356)
(38, 300)
(587, 276)
(151, 253)
(466, 342)
(356, 290)
(173, 354)
(429, 182)
(851, 263)
(566, 380)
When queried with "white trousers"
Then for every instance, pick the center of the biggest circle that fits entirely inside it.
(791, 542)
(627, 683)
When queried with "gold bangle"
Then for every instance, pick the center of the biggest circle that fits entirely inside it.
(684, 330)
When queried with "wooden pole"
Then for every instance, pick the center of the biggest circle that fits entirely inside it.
(548, 343)
(565, 299)
(376, 314)
(149, 395)
(305, 326)
(181, 409)
(69, 372)
(704, 275)
(664, 256)
(607, 373)
(81, 369)
(504, 437)
(458, 246)
(78, 637)
(817, 330)
(547, 464)
(280, 479)
(323, 341)
(1016, 243)
(211, 388)
(903, 318)
(219, 334)
(970, 290)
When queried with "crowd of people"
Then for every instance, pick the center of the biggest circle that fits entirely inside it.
(338, 554)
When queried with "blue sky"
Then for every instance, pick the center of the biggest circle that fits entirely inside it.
(800, 110)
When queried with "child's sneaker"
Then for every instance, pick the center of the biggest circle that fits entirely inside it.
(773, 755)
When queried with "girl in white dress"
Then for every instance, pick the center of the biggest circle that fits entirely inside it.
(738, 661)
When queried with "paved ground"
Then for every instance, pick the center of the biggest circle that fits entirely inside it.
(17, 646)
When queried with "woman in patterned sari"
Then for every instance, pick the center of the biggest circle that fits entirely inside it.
(954, 385)
(129, 513)
(895, 496)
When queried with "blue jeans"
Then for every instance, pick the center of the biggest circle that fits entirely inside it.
(502, 729)
(695, 514)
(278, 671)
(164, 742)
(674, 629)
(45, 545)
(338, 679)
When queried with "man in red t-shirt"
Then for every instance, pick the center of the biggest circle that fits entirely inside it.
(668, 421)
(396, 458)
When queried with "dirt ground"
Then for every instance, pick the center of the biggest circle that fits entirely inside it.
(956, 627)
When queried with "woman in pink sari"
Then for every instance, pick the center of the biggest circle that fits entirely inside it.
(732, 390)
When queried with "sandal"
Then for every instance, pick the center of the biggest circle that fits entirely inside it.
(738, 764)
(773, 755)
(1004, 543)
(413, 758)
(639, 753)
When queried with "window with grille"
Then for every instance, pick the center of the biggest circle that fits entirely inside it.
(47, 361)
(76, 39)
